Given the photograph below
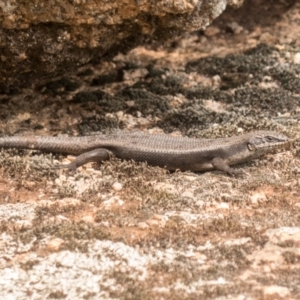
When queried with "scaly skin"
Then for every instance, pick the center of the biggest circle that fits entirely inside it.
(162, 150)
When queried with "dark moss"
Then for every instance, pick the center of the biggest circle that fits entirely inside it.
(154, 72)
(289, 278)
(145, 102)
(269, 101)
(213, 292)
(99, 124)
(131, 288)
(86, 72)
(289, 78)
(57, 295)
(235, 69)
(291, 257)
(38, 127)
(9, 90)
(188, 118)
(107, 78)
(28, 265)
(204, 93)
(60, 86)
(76, 235)
(38, 168)
(83, 97)
(229, 225)
(287, 244)
(261, 50)
(55, 209)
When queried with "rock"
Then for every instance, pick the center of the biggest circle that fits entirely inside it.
(297, 58)
(276, 291)
(117, 186)
(113, 202)
(55, 244)
(283, 234)
(50, 36)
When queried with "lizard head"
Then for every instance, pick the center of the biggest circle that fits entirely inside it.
(263, 141)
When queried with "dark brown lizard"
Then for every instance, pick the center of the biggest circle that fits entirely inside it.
(162, 150)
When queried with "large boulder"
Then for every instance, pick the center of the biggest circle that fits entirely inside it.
(47, 37)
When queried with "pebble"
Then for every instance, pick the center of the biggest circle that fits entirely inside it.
(117, 186)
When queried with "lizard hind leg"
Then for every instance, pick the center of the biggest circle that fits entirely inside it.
(96, 155)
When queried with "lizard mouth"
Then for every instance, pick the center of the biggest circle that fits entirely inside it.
(272, 147)
(261, 143)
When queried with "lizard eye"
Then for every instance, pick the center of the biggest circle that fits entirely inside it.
(269, 139)
(251, 147)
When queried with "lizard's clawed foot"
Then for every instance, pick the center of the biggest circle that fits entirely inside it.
(69, 167)
(237, 173)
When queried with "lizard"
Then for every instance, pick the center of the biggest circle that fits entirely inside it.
(170, 152)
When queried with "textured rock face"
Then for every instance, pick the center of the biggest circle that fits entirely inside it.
(52, 36)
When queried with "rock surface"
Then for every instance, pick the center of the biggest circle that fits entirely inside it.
(50, 37)
(124, 230)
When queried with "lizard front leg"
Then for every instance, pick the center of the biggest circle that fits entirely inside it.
(219, 164)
